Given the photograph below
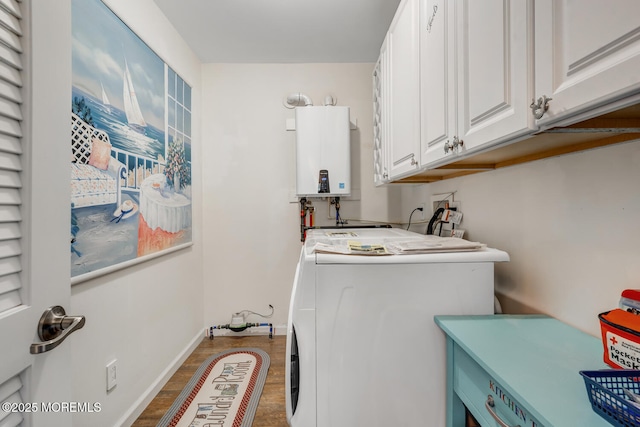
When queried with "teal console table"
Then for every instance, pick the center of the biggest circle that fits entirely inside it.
(523, 370)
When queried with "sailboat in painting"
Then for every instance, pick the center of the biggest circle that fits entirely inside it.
(131, 106)
(105, 99)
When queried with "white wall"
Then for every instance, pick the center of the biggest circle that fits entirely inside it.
(148, 315)
(570, 225)
(251, 229)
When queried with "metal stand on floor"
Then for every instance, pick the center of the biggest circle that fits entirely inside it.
(240, 328)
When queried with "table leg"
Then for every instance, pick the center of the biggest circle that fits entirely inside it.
(455, 411)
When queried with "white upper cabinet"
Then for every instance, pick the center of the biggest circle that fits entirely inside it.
(470, 81)
(404, 90)
(587, 54)
(495, 67)
(476, 74)
(381, 117)
(438, 78)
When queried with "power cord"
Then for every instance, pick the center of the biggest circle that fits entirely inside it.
(436, 215)
(266, 316)
(416, 209)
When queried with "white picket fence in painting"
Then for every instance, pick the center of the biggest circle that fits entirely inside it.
(137, 167)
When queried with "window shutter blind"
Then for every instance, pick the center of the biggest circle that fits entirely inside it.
(10, 392)
(10, 157)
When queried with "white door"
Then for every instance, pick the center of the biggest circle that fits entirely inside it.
(404, 63)
(35, 82)
(587, 53)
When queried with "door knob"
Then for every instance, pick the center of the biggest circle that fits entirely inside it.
(54, 327)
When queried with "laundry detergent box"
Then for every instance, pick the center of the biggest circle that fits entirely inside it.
(621, 338)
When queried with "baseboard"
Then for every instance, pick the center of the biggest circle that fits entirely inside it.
(143, 401)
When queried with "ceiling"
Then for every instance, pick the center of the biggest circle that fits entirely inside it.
(282, 31)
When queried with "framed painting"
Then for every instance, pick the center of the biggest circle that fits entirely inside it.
(130, 148)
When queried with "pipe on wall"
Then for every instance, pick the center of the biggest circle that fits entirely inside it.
(298, 100)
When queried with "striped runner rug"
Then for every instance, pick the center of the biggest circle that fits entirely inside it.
(224, 391)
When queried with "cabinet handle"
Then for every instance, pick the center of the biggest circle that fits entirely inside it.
(539, 108)
(413, 161)
(489, 404)
(450, 146)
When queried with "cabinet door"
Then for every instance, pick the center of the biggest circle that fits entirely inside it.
(495, 51)
(587, 54)
(381, 117)
(437, 78)
(404, 63)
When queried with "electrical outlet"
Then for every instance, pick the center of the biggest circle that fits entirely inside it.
(422, 213)
(112, 371)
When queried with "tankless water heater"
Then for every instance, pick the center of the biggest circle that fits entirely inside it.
(323, 151)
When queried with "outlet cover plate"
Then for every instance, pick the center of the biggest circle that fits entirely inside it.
(112, 370)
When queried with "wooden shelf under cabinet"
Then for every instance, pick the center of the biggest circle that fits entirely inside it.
(612, 128)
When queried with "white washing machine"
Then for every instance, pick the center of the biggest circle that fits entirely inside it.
(362, 346)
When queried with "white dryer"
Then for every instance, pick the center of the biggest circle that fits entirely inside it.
(362, 346)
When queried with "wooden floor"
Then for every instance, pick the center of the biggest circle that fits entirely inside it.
(271, 409)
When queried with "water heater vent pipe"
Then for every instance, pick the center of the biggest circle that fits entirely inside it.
(329, 100)
(298, 100)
